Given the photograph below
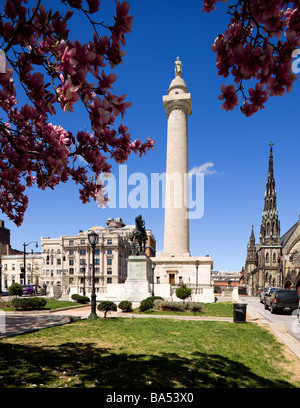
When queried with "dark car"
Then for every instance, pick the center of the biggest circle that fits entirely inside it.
(266, 291)
(28, 290)
(282, 299)
(32, 289)
(262, 295)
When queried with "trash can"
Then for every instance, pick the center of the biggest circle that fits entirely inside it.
(239, 312)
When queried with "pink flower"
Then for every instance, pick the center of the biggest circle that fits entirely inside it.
(123, 23)
(67, 94)
(67, 62)
(230, 96)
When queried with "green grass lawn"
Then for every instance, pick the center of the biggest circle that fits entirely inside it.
(50, 305)
(222, 309)
(131, 352)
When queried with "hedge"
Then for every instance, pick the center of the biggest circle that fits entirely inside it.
(79, 298)
(32, 303)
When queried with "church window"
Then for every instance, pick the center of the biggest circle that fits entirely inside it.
(274, 258)
(267, 257)
(268, 229)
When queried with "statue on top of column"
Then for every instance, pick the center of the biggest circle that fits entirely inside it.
(178, 67)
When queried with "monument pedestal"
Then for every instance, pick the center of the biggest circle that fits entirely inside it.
(139, 277)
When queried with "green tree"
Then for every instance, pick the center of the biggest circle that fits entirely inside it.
(107, 306)
(15, 289)
(183, 292)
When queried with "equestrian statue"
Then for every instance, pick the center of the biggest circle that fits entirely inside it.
(139, 233)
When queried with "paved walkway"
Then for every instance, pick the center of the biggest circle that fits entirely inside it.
(12, 323)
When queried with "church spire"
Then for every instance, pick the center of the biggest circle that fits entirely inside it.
(270, 230)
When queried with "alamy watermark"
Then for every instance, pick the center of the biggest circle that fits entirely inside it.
(296, 62)
(2, 321)
(159, 190)
(295, 327)
(2, 62)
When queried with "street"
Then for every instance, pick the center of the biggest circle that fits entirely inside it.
(291, 321)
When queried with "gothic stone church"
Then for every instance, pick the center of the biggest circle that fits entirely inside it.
(275, 261)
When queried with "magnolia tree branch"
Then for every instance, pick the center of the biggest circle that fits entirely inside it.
(56, 74)
(259, 45)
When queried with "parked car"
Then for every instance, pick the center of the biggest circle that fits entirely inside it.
(282, 299)
(266, 291)
(32, 289)
(262, 295)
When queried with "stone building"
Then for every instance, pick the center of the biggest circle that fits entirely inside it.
(12, 269)
(275, 261)
(290, 259)
(67, 260)
(12, 262)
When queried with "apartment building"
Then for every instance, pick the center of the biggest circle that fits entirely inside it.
(13, 269)
(67, 260)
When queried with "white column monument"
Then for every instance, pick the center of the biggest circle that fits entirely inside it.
(177, 106)
(175, 264)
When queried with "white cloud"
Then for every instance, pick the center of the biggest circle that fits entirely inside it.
(207, 169)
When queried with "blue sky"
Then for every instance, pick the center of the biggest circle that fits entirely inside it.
(237, 147)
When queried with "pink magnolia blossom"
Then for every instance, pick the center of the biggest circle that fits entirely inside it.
(56, 73)
(230, 96)
(252, 47)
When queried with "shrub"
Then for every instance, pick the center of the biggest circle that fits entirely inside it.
(195, 306)
(174, 306)
(75, 296)
(107, 306)
(183, 292)
(125, 305)
(15, 289)
(148, 303)
(79, 298)
(157, 304)
(82, 299)
(33, 303)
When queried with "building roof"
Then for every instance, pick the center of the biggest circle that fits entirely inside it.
(287, 235)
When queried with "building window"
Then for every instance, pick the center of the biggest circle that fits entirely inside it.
(267, 257)
(274, 258)
(71, 252)
(109, 262)
(109, 252)
(82, 252)
(97, 251)
(109, 241)
(71, 271)
(97, 261)
(71, 261)
(82, 241)
(109, 280)
(71, 242)
(109, 271)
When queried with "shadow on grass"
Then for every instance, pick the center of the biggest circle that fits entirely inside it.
(84, 365)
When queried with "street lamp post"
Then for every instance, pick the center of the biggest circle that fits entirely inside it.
(197, 266)
(153, 267)
(24, 255)
(93, 239)
(84, 279)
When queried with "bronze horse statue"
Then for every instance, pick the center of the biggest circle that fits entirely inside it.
(139, 234)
